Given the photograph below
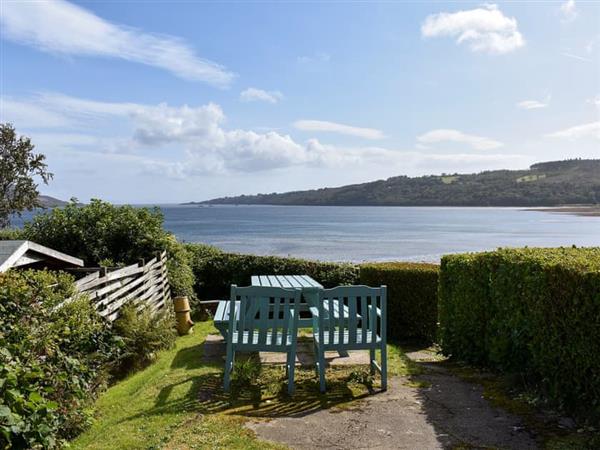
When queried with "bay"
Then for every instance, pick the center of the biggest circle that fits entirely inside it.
(342, 233)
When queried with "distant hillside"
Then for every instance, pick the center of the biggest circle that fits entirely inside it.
(553, 183)
(50, 202)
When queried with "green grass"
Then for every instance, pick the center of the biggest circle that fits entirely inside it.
(530, 178)
(449, 179)
(179, 403)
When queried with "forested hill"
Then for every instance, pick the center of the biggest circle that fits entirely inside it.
(544, 184)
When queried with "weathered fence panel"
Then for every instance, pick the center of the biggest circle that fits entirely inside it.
(146, 283)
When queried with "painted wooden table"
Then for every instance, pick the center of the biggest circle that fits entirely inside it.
(310, 291)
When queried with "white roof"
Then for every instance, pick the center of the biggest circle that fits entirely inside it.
(22, 253)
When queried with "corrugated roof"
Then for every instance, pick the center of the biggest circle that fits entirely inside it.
(21, 253)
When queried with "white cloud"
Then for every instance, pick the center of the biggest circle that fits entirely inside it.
(446, 135)
(568, 11)
(30, 115)
(259, 95)
(594, 101)
(333, 127)
(587, 130)
(532, 104)
(319, 57)
(485, 29)
(62, 27)
(186, 142)
(577, 57)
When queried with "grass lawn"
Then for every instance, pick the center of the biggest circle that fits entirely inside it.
(178, 402)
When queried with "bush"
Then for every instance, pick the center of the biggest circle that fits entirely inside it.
(412, 297)
(122, 235)
(215, 271)
(10, 234)
(532, 312)
(51, 360)
(143, 335)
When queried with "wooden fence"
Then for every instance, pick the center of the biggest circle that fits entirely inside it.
(146, 283)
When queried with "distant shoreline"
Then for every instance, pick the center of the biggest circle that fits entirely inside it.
(576, 210)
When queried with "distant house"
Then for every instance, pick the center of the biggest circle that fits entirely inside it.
(27, 254)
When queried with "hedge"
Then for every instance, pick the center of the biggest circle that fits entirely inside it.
(531, 312)
(412, 288)
(412, 297)
(215, 270)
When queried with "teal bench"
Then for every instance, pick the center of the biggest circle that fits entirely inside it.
(264, 319)
(361, 326)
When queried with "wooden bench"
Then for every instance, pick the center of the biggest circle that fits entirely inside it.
(221, 319)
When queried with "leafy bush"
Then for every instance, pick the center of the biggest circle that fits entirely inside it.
(51, 360)
(10, 234)
(215, 270)
(100, 231)
(533, 312)
(143, 335)
(412, 297)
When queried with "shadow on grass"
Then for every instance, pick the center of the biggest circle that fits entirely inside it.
(264, 397)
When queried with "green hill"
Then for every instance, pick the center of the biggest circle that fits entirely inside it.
(50, 202)
(553, 183)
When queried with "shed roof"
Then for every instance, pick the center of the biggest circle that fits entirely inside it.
(22, 253)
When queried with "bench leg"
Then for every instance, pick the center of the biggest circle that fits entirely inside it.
(372, 361)
(291, 367)
(229, 361)
(384, 367)
(320, 354)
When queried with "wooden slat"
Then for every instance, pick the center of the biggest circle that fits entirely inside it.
(147, 285)
(283, 280)
(87, 279)
(273, 281)
(301, 282)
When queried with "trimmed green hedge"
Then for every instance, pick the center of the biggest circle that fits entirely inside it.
(412, 297)
(215, 270)
(412, 288)
(533, 312)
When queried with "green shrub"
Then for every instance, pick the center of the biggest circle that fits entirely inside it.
(412, 297)
(532, 312)
(51, 360)
(215, 271)
(143, 335)
(10, 234)
(101, 232)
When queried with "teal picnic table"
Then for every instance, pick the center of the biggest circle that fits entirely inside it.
(309, 287)
(310, 297)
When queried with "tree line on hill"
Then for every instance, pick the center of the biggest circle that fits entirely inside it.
(554, 183)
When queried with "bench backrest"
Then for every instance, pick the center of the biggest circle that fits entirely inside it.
(267, 318)
(339, 310)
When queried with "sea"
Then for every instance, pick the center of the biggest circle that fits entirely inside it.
(355, 234)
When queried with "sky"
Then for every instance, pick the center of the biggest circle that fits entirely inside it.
(167, 102)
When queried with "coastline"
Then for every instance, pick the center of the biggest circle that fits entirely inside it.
(576, 210)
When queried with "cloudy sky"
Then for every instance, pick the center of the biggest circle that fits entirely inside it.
(147, 102)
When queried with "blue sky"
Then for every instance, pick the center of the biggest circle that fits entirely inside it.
(147, 102)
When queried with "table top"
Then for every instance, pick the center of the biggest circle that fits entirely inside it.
(286, 281)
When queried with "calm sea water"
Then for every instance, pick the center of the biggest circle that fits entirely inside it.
(374, 233)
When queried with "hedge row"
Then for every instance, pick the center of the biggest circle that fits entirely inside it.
(412, 297)
(533, 312)
(412, 288)
(215, 270)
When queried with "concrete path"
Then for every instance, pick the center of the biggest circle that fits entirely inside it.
(448, 413)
